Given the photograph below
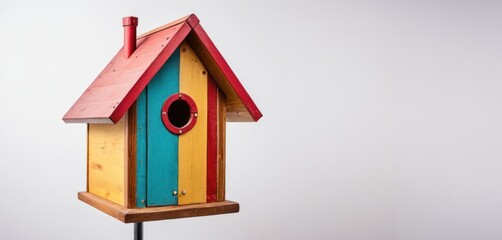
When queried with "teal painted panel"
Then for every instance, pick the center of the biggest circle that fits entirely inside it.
(162, 150)
(141, 150)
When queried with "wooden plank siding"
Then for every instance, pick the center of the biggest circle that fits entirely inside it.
(193, 144)
(107, 158)
(212, 139)
(141, 150)
(162, 145)
(222, 113)
(130, 177)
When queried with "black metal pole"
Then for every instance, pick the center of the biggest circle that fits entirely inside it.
(138, 231)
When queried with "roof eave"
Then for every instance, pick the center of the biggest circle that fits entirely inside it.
(88, 120)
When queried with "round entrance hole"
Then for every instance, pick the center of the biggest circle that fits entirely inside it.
(179, 113)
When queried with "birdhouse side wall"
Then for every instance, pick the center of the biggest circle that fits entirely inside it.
(107, 156)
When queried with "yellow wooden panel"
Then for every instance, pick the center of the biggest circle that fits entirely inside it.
(106, 159)
(193, 144)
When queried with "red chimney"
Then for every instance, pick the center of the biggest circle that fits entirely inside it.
(129, 24)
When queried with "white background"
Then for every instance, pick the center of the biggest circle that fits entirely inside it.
(381, 120)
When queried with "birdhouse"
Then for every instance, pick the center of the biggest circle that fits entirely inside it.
(156, 119)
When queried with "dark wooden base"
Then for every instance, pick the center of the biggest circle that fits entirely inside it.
(133, 215)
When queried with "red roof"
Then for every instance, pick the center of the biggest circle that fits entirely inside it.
(116, 88)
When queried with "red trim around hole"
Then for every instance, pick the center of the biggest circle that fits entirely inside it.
(193, 113)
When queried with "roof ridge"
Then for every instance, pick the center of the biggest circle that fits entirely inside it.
(168, 25)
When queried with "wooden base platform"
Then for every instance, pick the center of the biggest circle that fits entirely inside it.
(132, 215)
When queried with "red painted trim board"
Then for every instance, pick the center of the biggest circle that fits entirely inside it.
(193, 20)
(212, 139)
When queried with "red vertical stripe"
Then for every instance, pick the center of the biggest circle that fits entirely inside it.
(212, 139)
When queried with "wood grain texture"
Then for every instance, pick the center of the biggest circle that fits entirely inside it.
(107, 157)
(212, 139)
(193, 144)
(157, 213)
(162, 145)
(130, 177)
(222, 123)
(190, 19)
(141, 150)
